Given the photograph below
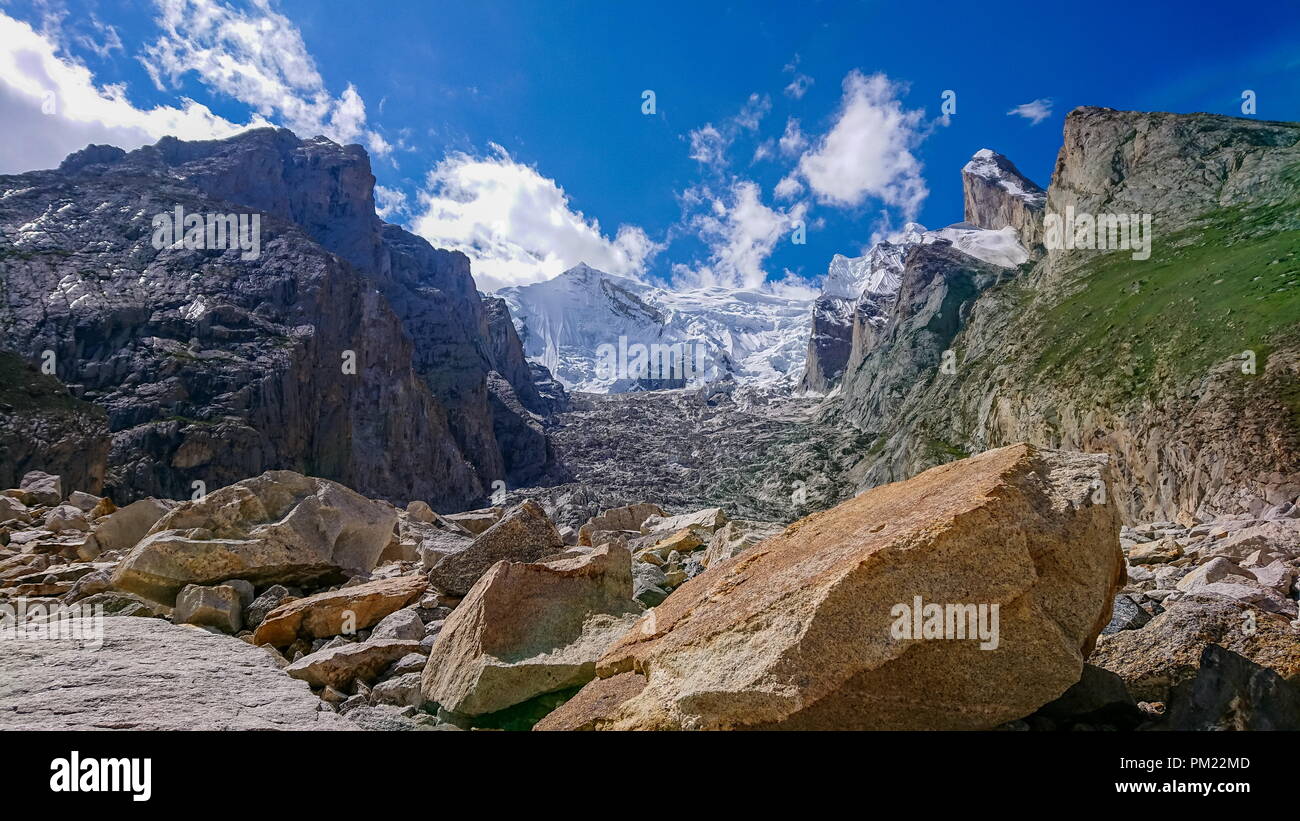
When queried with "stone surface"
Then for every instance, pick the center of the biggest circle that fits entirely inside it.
(735, 536)
(218, 606)
(66, 517)
(800, 632)
(1231, 692)
(476, 521)
(339, 667)
(280, 526)
(709, 519)
(1167, 651)
(125, 527)
(330, 614)
(524, 534)
(400, 624)
(616, 520)
(44, 488)
(1125, 615)
(209, 377)
(151, 675)
(529, 629)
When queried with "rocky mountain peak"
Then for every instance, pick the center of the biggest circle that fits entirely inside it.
(996, 195)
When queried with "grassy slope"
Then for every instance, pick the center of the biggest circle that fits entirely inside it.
(1133, 328)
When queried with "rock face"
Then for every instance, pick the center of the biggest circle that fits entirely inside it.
(343, 347)
(996, 195)
(802, 631)
(277, 527)
(151, 675)
(524, 534)
(529, 629)
(331, 614)
(45, 427)
(1037, 357)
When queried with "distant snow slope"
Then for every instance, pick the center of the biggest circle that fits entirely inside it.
(757, 338)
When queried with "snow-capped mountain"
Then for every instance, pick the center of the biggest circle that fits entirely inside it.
(861, 290)
(997, 170)
(603, 333)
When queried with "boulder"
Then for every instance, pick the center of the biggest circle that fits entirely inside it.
(1167, 652)
(402, 691)
(66, 517)
(1098, 696)
(43, 488)
(735, 536)
(596, 530)
(1159, 552)
(11, 508)
(85, 502)
(151, 675)
(438, 544)
(524, 534)
(347, 609)
(709, 519)
(339, 667)
(1231, 692)
(278, 527)
(476, 521)
(529, 629)
(218, 606)
(271, 598)
(421, 512)
(1125, 615)
(400, 624)
(812, 629)
(126, 526)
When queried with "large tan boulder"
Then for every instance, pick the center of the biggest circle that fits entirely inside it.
(813, 628)
(618, 520)
(345, 610)
(278, 527)
(529, 629)
(524, 534)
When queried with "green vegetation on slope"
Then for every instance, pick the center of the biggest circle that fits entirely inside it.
(1206, 295)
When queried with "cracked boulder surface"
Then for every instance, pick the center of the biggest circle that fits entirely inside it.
(152, 675)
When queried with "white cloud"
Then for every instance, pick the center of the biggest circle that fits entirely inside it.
(788, 188)
(792, 140)
(390, 202)
(741, 233)
(51, 106)
(1035, 111)
(709, 146)
(867, 153)
(798, 86)
(518, 225)
(753, 112)
(257, 57)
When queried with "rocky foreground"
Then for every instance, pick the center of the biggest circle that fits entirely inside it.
(290, 602)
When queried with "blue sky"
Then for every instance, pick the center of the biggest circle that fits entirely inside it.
(515, 131)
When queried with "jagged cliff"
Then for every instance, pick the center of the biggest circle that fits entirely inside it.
(347, 348)
(1147, 359)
